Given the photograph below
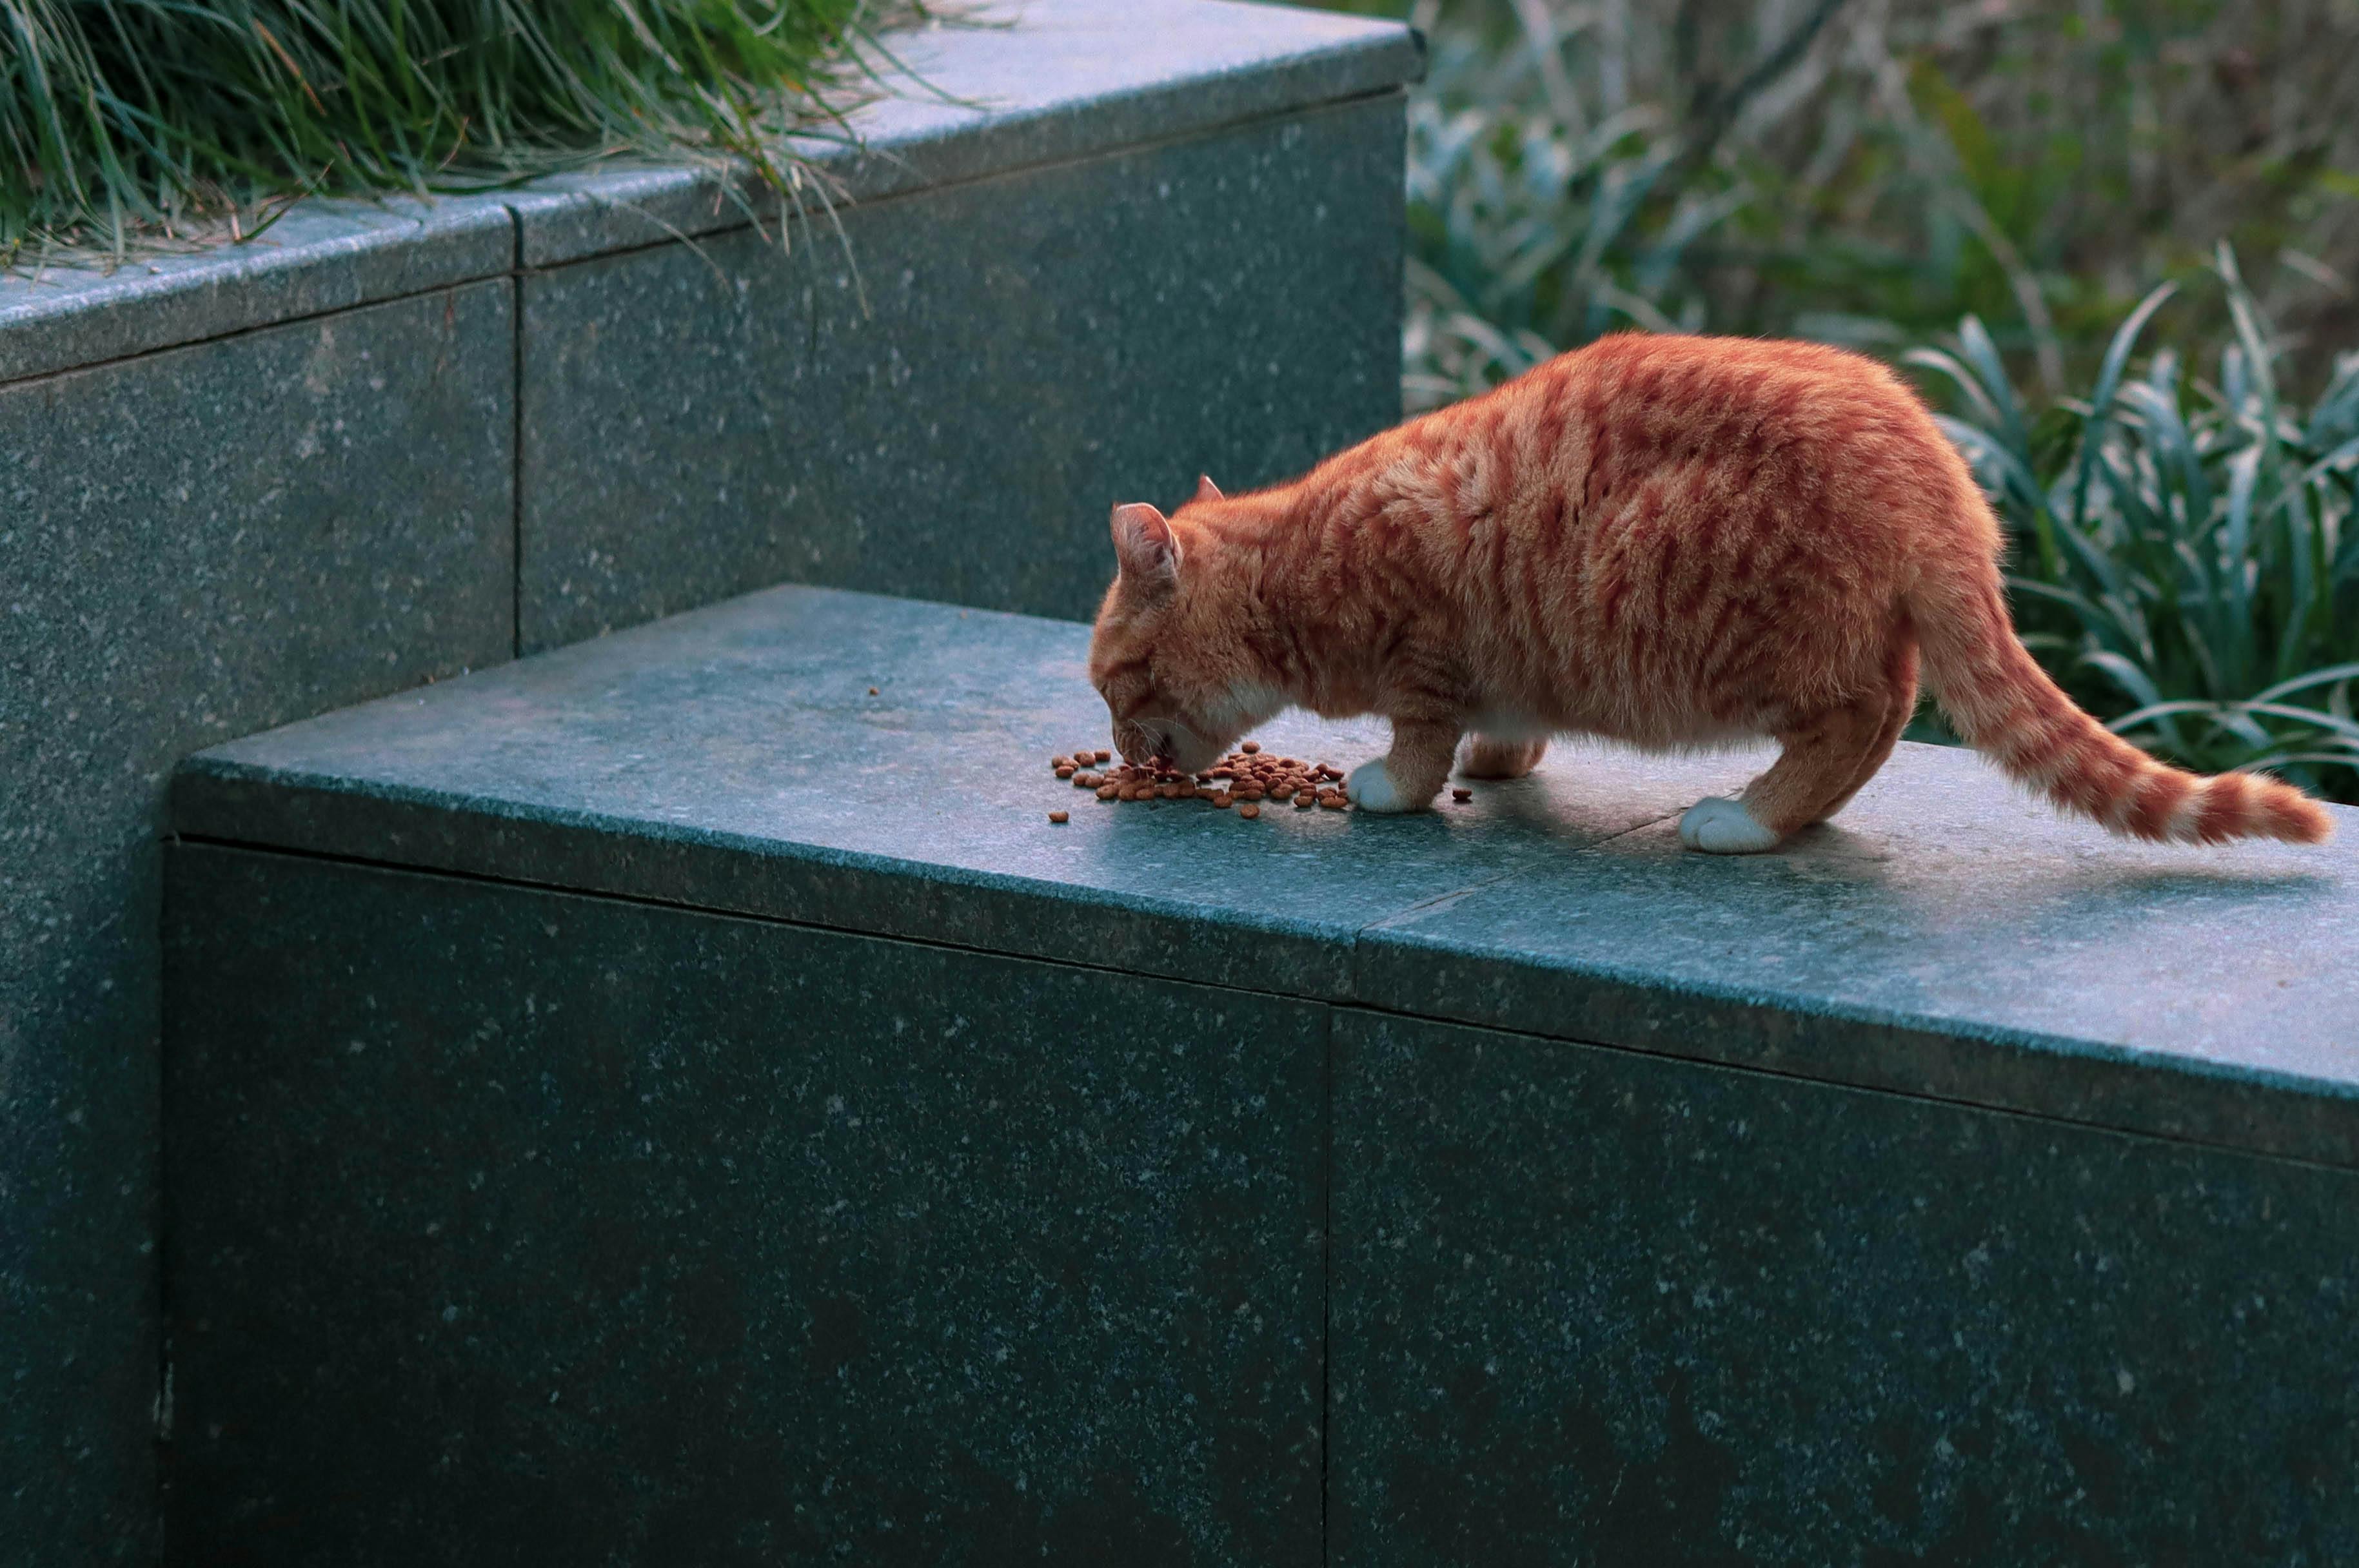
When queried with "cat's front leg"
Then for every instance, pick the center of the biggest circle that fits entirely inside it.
(1408, 778)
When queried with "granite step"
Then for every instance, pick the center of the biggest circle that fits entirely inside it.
(682, 1093)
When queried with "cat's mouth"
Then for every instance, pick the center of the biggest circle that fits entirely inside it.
(1163, 747)
(1142, 745)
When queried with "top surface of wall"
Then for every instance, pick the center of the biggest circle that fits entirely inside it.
(1946, 937)
(1041, 81)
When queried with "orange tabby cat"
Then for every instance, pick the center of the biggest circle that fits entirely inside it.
(1671, 541)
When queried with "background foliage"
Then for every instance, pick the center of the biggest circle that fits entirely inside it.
(1868, 171)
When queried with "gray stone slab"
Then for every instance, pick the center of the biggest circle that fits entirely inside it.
(1945, 936)
(564, 1229)
(193, 545)
(734, 759)
(1015, 85)
(1595, 1307)
(322, 255)
(952, 413)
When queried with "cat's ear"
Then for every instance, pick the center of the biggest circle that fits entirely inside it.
(1145, 547)
(1206, 490)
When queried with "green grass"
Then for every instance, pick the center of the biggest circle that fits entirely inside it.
(128, 123)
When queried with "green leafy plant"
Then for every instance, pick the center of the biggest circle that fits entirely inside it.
(1531, 229)
(2187, 550)
(125, 123)
(1866, 172)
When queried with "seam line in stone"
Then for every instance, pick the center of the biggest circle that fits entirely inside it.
(333, 313)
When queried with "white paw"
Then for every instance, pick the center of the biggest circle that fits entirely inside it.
(1720, 827)
(1371, 789)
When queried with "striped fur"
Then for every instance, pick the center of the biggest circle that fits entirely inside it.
(1669, 541)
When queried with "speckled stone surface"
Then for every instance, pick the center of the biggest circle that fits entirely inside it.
(322, 255)
(733, 759)
(192, 545)
(953, 414)
(1596, 1307)
(573, 1230)
(1944, 937)
(1961, 1185)
(1040, 82)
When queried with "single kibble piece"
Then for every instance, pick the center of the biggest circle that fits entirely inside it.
(1167, 791)
(1283, 790)
(1251, 793)
(1249, 809)
(1060, 816)
(1066, 772)
(1108, 792)
(1461, 795)
(871, 691)
(1221, 802)
(1250, 747)
(1102, 757)
(1305, 801)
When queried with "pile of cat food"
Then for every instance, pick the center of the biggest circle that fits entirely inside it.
(1246, 779)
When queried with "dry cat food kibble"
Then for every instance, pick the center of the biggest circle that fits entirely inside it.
(1245, 778)
(1060, 816)
(1461, 795)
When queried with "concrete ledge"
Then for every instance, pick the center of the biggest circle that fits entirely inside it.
(323, 257)
(1946, 937)
(1959, 1182)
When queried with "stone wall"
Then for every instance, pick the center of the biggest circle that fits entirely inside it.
(385, 445)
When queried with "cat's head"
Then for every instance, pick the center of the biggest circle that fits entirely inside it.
(1170, 667)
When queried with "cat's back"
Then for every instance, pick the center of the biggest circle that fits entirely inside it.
(1653, 390)
(1626, 404)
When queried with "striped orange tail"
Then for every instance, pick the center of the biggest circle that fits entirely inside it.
(2004, 706)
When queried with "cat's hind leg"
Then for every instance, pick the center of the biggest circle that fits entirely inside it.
(1489, 757)
(1901, 706)
(1824, 762)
